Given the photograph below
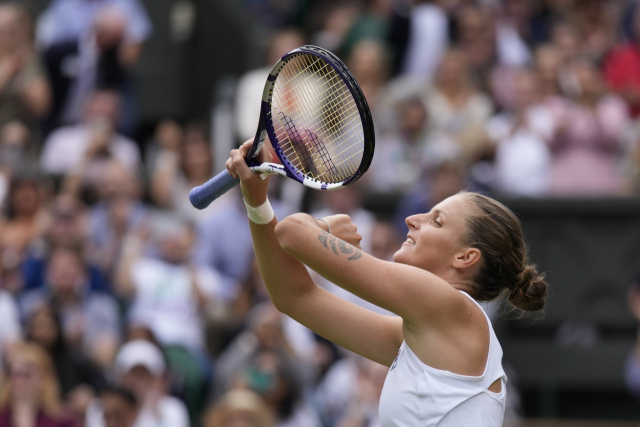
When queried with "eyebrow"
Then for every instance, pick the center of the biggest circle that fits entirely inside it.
(437, 212)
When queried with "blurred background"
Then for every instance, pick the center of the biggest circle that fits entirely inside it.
(123, 306)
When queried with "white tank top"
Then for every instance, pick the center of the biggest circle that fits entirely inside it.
(417, 395)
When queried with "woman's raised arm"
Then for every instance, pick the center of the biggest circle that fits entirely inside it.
(418, 296)
(293, 292)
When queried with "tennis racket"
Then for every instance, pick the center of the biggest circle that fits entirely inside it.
(317, 120)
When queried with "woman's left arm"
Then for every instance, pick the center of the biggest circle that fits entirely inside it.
(410, 292)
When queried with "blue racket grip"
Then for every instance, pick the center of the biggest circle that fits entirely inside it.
(203, 195)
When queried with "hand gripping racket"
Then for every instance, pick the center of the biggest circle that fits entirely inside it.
(317, 120)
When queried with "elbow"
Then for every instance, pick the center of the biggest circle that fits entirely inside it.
(286, 231)
(282, 306)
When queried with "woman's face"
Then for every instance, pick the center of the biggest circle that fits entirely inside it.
(452, 70)
(434, 237)
(25, 199)
(26, 379)
(196, 157)
(43, 328)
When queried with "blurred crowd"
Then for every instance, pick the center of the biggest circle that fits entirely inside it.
(123, 306)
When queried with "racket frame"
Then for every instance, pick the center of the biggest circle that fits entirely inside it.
(265, 125)
(206, 193)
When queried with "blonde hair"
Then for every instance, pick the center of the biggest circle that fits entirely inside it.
(240, 401)
(50, 402)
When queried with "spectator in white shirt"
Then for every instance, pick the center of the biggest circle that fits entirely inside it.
(9, 321)
(168, 293)
(523, 160)
(81, 148)
(141, 368)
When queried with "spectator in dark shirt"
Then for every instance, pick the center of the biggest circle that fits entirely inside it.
(77, 376)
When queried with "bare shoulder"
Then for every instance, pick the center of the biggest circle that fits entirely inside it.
(459, 344)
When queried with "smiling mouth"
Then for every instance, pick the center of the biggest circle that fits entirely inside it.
(410, 241)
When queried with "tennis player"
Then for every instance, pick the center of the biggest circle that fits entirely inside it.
(445, 360)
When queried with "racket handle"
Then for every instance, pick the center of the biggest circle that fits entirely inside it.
(203, 195)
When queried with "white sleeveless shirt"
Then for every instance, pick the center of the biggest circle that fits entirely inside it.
(417, 395)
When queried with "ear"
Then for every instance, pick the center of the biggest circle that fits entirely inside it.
(466, 258)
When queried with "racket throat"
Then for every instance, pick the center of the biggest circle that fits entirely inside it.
(266, 169)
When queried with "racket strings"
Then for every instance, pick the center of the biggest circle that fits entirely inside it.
(342, 176)
(310, 95)
(333, 121)
(334, 106)
(309, 160)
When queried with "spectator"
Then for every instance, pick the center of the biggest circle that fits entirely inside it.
(455, 108)
(267, 330)
(270, 374)
(10, 331)
(372, 23)
(522, 160)
(66, 228)
(17, 149)
(595, 20)
(548, 64)
(31, 396)
(369, 63)
(78, 378)
(25, 223)
(588, 136)
(168, 136)
(622, 65)
(141, 368)
(81, 149)
(428, 39)
(180, 168)
(239, 408)
(362, 408)
(89, 319)
(251, 84)
(400, 153)
(120, 407)
(167, 293)
(565, 36)
(475, 37)
(512, 31)
(25, 94)
(336, 24)
(118, 211)
(69, 20)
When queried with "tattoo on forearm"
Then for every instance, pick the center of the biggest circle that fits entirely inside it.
(323, 239)
(344, 247)
(328, 240)
(333, 245)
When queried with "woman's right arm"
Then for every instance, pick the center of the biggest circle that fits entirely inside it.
(374, 336)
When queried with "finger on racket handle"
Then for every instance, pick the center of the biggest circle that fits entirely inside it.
(203, 195)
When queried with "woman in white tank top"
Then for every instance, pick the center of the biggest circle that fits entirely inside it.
(445, 361)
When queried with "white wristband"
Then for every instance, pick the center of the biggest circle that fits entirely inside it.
(263, 214)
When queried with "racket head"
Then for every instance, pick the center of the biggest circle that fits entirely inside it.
(317, 119)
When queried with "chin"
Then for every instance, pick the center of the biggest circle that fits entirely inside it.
(399, 257)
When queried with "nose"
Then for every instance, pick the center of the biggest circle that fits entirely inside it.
(412, 222)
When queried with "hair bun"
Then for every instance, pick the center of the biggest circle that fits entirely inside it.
(529, 291)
